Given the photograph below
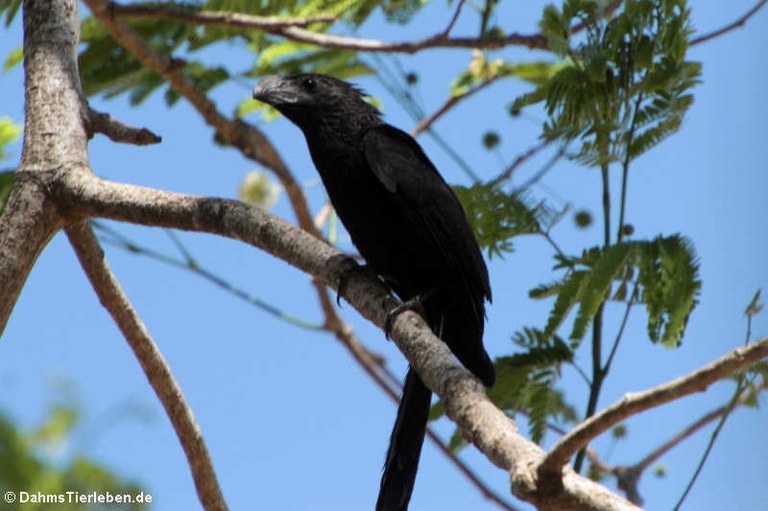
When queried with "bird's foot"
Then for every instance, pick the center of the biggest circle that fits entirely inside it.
(415, 304)
(347, 273)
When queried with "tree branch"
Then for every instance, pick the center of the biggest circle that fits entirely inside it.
(730, 26)
(153, 364)
(693, 428)
(628, 476)
(480, 421)
(294, 32)
(229, 19)
(632, 404)
(250, 141)
(373, 364)
(52, 91)
(425, 124)
(99, 122)
(521, 158)
(253, 144)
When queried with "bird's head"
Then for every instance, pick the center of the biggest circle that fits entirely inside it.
(308, 99)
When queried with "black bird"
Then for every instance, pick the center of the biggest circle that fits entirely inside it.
(410, 229)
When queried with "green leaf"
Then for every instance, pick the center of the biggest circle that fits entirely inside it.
(107, 68)
(9, 132)
(556, 28)
(497, 217)
(668, 274)
(544, 291)
(14, 58)
(595, 289)
(570, 295)
(627, 86)
(10, 8)
(291, 57)
(61, 421)
(541, 350)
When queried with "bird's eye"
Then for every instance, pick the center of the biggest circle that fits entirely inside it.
(309, 84)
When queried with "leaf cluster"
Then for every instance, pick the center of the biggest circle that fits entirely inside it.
(663, 274)
(480, 70)
(525, 384)
(30, 463)
(109, 70)
(497, 216)
(625, 87)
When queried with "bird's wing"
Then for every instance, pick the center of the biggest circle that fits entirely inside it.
(401, 166)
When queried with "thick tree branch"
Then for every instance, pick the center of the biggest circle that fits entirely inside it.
(481, 422)
(28, 223)
(478, 419)
(52, 91)
(153, 364)
(632, 404)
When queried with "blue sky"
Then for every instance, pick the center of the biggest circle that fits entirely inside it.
(292, 423)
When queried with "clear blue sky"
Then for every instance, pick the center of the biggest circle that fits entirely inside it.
(291, 421)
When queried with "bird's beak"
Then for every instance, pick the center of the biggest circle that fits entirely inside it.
(274, 91)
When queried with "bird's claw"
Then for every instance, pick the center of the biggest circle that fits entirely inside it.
(414, 304)
(346, 274)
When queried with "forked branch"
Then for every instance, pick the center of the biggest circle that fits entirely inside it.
(155, 368)
(632, 404)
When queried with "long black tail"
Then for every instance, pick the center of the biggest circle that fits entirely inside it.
(405, 445)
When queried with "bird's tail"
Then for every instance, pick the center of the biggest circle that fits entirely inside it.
(405, 445)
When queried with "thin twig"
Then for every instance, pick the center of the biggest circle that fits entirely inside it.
(229, 19)
(685, 433)
(628, 476)
(625, 168)
(155, 368)
(522, 158)
(634, 403)
(189, 264)
(623, 325)
(99, 122)
(454, 19)
(711, 443)
(730, 26)
(426, 122)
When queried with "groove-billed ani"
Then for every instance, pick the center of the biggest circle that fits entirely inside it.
(410, 228)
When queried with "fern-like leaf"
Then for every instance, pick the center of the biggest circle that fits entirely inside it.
(605, 270)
